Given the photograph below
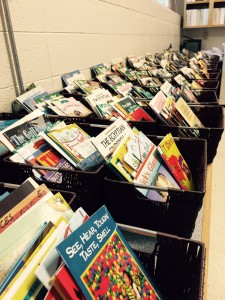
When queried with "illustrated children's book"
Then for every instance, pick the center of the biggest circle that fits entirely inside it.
(176, 162)
(102, 262)
(65, 285)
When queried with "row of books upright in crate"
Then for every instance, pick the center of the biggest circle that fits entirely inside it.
(128, 152)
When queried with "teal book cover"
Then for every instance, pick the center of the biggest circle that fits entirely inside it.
(102, 262)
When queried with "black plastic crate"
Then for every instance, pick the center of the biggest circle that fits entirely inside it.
(84, 183)
(176, 265)
(145, 126)
(206, 85)
(175, 216)
(212, 118)
(208, 97)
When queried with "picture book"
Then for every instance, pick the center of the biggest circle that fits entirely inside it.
(98, 96)
(141, 92)
(17, 195)
(130, 154)
(20, 134)
(85, 87)
(51, 262)
(72, 107)
(65, 285)
(55, 176)
(176, 163)
(153, 172)
(187, 113)
(45, 228)
(107, 141)
(15, 238)
(69, 137)
(25, 283)
(35, 114)
(49, 158)
(37, 90)
(31, 102)
(102, 262)
(70, 77)
(24, 205)
(131, 110)
(30, 151)
(102, 68)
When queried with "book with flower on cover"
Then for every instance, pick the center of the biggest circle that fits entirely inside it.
(102, 262)
(176, 163)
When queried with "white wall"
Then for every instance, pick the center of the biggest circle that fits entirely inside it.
(54, 37)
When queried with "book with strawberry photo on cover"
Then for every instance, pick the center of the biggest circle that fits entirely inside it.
(176, 162)
(102, 262)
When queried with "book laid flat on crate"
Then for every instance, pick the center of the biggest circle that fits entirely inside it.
(102, 262)
(176, 162)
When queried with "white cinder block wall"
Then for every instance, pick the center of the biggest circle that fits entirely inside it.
(54, 37)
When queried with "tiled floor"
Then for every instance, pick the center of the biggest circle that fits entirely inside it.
(216, 252)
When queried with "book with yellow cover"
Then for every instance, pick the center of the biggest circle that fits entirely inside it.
(25, 284)
(176, 162)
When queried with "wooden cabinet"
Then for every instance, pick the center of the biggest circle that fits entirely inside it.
(204, 13)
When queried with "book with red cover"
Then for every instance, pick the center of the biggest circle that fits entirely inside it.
(141, 115)
(52, 295)
(66, 286)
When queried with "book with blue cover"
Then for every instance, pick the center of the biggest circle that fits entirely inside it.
(102, 262)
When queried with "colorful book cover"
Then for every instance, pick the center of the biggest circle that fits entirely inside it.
(66, 286)
(153, 172)
(54, 176)
(102, 262)
(176, 162)
(130, 154)
(49, 158)
(141, 115)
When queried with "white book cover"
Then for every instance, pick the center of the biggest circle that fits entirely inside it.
(49, 265)
(72, 107)
(107, 141)
(97, 96)
(30, 94)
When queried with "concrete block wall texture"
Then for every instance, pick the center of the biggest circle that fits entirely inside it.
(54, 37)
